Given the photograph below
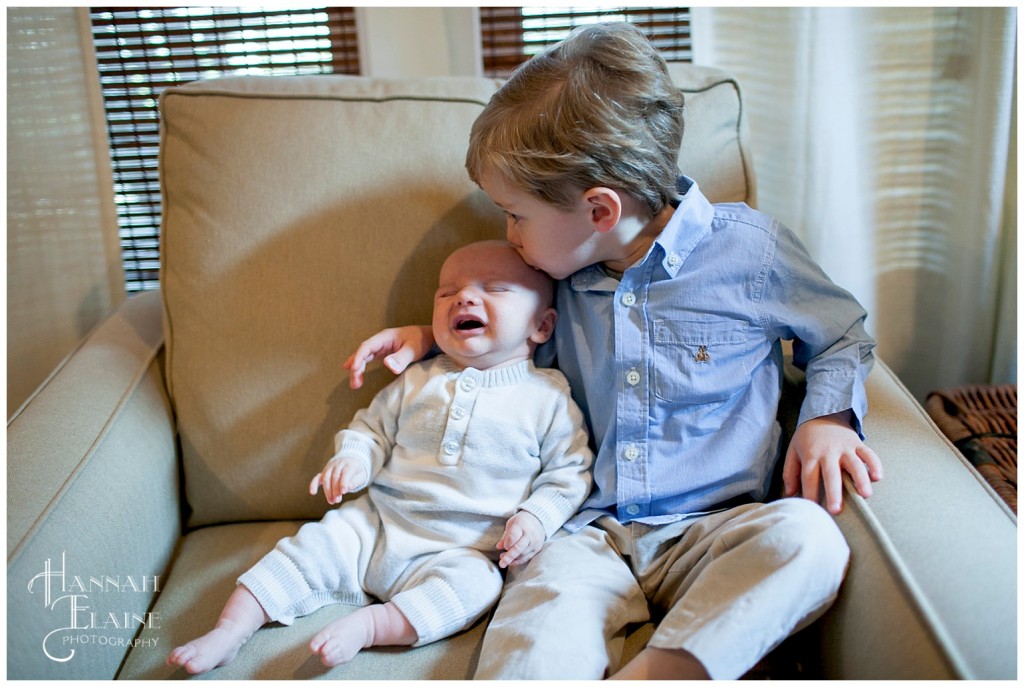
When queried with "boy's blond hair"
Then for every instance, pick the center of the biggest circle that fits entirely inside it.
(597, 109)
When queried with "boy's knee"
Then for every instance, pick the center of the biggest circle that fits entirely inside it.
(809, 535)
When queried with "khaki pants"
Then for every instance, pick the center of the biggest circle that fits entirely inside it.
(728, 587)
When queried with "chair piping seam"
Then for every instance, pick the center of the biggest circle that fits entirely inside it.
(101, 436)
(924, 609)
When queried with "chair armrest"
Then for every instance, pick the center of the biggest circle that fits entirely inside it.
(94, 510)
(931, 589)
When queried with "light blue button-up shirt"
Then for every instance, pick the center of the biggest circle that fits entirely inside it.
(678, 364)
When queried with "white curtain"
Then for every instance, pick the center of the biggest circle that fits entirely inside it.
(63, 258)
(885, 138)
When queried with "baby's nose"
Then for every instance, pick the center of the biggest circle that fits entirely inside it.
(467, 297)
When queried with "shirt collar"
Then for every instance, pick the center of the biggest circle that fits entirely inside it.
(689, 224)
(494, 377)
(687, 227)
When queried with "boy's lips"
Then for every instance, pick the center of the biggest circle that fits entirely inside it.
(522, 254)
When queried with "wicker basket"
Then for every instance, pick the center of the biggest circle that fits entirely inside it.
(981, 420)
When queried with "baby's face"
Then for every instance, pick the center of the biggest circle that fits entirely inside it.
(491, 309)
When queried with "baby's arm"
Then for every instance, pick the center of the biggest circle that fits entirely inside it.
(398, 347)
(821, 449)
(523, 538)
(361, 449)
(340, 476)
(560, 488)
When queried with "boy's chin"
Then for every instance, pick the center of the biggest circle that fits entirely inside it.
(558, 273)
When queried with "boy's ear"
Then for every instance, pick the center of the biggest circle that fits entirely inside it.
(546, 326)
(604, 206)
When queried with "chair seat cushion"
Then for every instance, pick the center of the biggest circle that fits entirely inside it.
(208, 563)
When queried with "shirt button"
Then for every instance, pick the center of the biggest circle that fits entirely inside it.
(674, 260)
(628, 298)
(458, 412)
(451, 448)
(633, 377)
(467, 384)
(633, 509)
(632, 453)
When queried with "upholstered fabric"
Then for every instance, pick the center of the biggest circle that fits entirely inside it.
(715, 150)
(913, 538)
(302, 215)
(295, 225)
(92, 476)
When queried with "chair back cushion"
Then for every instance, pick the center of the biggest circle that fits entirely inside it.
(301, 215)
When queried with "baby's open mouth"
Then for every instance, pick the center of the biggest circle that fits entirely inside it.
(468, 324)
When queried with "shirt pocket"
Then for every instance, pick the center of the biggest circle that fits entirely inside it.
(698, 361)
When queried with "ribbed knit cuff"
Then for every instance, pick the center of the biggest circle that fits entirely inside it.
(277, 584)
(551, 508)
(434, 610)
(356, 451)
(282, 590)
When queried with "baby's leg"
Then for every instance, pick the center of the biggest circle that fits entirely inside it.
(241, 617)
(442, 594)
(376, 625)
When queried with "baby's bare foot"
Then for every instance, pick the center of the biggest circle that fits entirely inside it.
(376, 625)
(340, 641)
(217, 647)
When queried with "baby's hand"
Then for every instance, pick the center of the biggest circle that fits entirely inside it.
(820, 451)
(339, 477)
(398, 347)
(523, 537)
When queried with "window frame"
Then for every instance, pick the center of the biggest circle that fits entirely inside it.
(511, 35)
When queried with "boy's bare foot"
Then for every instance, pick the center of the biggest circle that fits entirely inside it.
(377, 625)
(217, 647)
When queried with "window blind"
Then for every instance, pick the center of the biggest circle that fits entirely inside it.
(511, 35)
(141, 51)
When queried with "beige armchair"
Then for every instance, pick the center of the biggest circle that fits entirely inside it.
(174, 446)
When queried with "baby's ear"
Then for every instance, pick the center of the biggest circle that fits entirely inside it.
(545, 327)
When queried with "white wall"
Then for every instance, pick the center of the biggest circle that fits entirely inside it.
(405, 41)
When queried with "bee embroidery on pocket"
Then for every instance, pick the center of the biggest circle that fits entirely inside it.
(702, 354)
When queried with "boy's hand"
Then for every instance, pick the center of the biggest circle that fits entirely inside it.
(819, 452)
(398, 346)
(339, 477)
(523, 538)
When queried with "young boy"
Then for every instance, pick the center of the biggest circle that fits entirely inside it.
(473, 452)
(671, 314)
